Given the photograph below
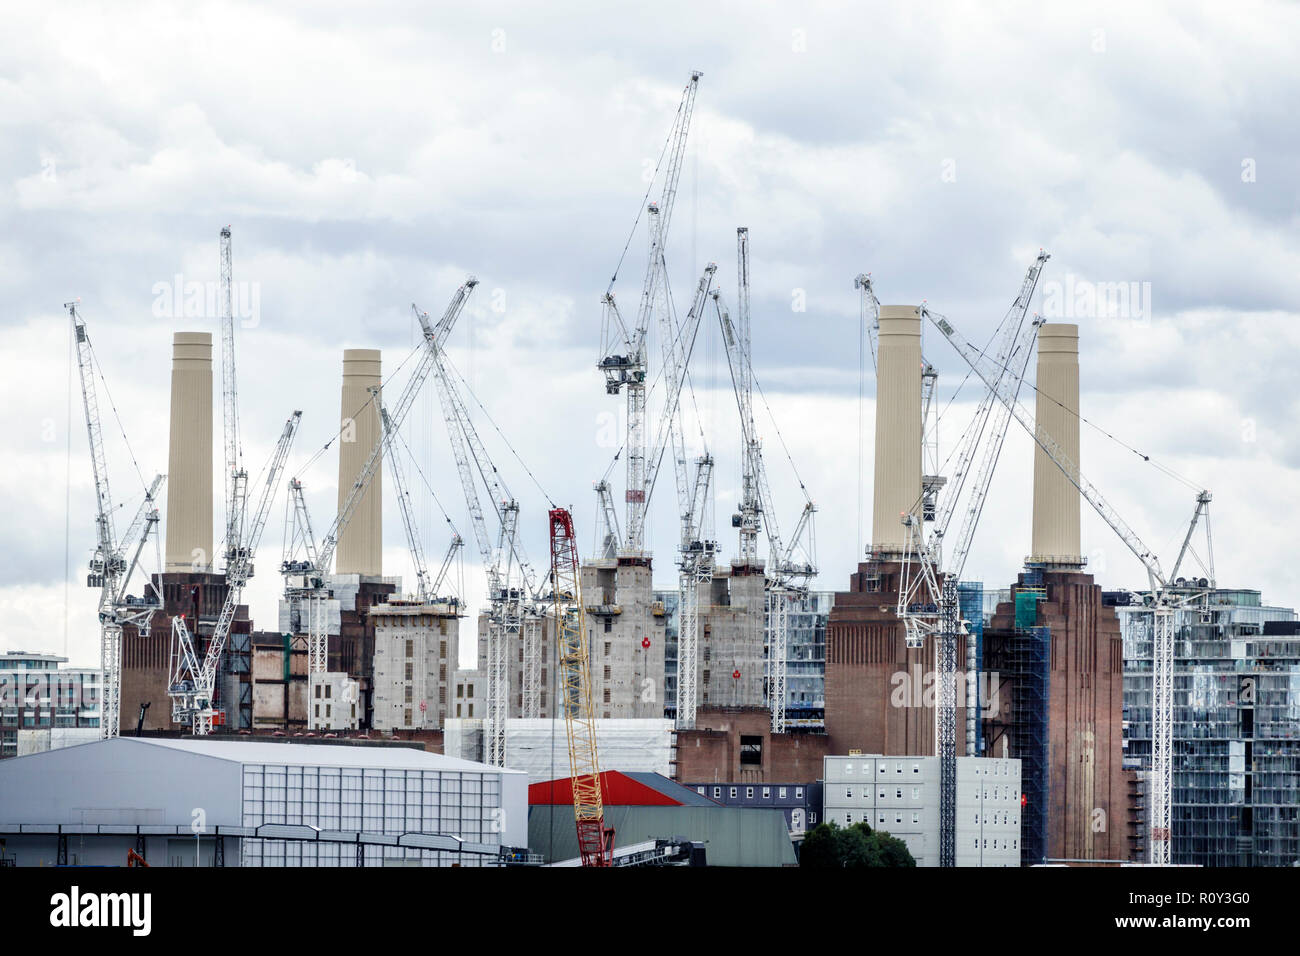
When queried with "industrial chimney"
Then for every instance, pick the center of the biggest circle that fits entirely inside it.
(361, 540)
(189, 458)
(898, 427)
(1056, 540)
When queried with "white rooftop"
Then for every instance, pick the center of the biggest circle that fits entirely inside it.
(316, 755)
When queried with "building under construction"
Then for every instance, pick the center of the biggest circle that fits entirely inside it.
(1236, 767)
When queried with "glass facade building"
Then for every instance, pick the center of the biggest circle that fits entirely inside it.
(1236, 799)
(36, 693)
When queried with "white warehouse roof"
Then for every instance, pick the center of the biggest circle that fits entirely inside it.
(320, 755)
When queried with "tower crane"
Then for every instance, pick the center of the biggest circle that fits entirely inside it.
(1163, 600)
(696, 552)
(236, 478)
(115, 559)
(928, 599)
(595, 840)
(192, 684)
(791, 564)
(512, 592)
(306, 580)
(626, 370)
(426, 587)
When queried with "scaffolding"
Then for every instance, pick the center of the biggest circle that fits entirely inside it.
(1026, 665)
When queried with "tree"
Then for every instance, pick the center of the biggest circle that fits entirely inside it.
(828, 846)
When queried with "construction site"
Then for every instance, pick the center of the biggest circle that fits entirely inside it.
(627, 690)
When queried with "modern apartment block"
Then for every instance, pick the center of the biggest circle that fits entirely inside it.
(900, 795)
(1236, 796)
(36, 693)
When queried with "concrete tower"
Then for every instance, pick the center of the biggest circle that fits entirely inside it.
(189, 459)
(361, 542)
(1056, 540)
(897, 488)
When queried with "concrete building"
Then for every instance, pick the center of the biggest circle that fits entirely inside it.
(417, 648)
(262, 803)
(470, 690)
(626, 638)
(39, 696)
(515, 668)
(805, 658)
(540, 747)
(1236, 760)
(900, 795)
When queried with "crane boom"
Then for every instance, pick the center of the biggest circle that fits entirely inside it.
(595, 840)
(628, 370)
(193, 682)
(235, 477)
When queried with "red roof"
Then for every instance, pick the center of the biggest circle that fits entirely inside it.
(619, 789)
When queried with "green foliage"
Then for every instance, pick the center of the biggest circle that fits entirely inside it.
(828, 846)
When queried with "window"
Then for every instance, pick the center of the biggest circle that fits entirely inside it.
(328, 690)
(798, 793)
(916, 818)
(848, 793)
(606, 695)
(899, 794)
(607, 647)
(409, 698)
(471, 710)
(848, 818)
(780, 792)
(751, 751)
(916, 768)
(609, 626)
(458, 710)
(410, 670)
(700, 791)
(749, 793)
(470, 692)
(460, 691)
(848, 768)
(717, 792)
(318, 691)
(916, 793)
(410, 648)
(767, 793)
(733, 793)
(408, 717)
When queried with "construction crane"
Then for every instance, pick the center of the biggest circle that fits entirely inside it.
(1163, 600)
(791, 564)
(595, 840)
(193, 680)
(306, 579)
(695, 550)
(625, 370)
(236, 478)
(928, 599)
(512, 612)
(115, 559)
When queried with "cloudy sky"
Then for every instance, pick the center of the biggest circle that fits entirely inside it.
(366, 160)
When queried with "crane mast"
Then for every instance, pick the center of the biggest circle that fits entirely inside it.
(786, 578)
(595, 840)
(110, 570)
(236, 478)
(627, 371)
(928, 598)
(306, 585)
(192, 686)
(511, 591)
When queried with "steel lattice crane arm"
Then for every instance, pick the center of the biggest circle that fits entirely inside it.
(235, 476)
(192, 692)
(422, 590)
(106, 541)
(595, 841)
(869, 312)
(1014, 348)
(433, 340)
(1004, 389)
(675, 381)
(135, 537)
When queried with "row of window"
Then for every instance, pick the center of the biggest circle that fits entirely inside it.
(749, 792)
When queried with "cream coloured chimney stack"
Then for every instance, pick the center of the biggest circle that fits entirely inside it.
(189, 457)
(897, 488)
(1056, 539)
(361, 541)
